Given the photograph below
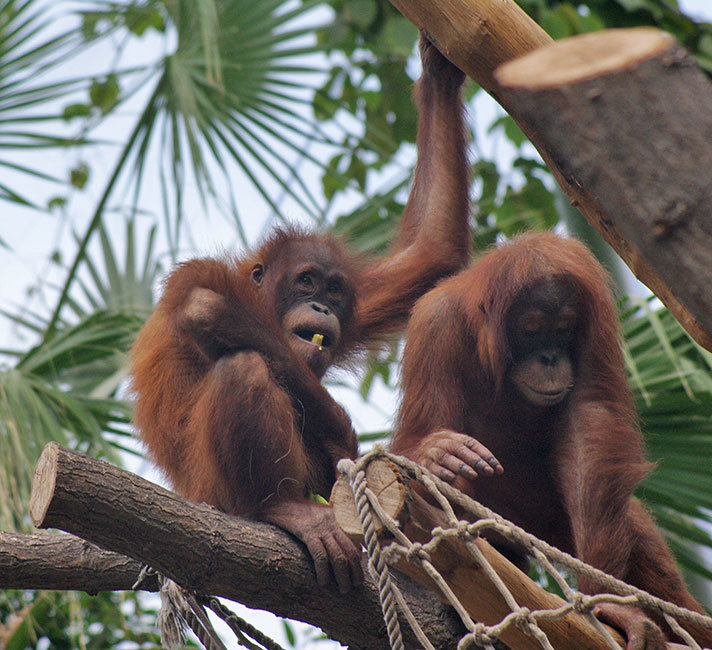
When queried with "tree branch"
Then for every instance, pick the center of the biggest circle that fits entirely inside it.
(210, 552)
(58, 561)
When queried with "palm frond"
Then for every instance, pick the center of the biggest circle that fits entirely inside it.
(673, 390)
(230, 96)
(30, 50)
(59, 390)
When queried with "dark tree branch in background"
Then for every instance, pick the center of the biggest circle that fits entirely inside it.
(208, 551)
(58, 561)
(480, 35)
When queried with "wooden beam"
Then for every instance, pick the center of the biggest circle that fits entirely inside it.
(211, 552)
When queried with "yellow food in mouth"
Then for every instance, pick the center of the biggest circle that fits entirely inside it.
(318, 339)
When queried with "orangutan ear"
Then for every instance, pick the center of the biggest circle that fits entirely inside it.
(257, 274)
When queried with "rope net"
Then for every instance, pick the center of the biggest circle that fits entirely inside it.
(481, 519)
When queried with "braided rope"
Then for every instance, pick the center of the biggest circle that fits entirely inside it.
(369, 510)
(181, 607)
(376, 564)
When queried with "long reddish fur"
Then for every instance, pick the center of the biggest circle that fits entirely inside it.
(453, 377)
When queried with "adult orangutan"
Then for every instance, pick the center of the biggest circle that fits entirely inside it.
(227, 370)
(515, 391)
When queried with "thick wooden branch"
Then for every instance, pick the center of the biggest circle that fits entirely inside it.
(674, 111)
(65, 562)
(476, 35)
(211, 552)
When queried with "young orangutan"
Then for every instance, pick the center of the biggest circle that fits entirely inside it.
(515, 391)
(227, 370)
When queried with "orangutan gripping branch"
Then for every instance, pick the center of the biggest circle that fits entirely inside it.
(515, 391)
(227, 370)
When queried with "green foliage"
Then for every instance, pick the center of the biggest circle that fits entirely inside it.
(51, 618)
(369, 228)
(562, 19)
(104, 94)
(368, 80)
(134, 17)
(671, 378)
(227, 103)
(27, 100)
(39, 402)
(79, 176)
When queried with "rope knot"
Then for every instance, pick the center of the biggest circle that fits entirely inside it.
(524, 619)
(463, 529)
(438, 531)
(482, 635)
(378, 451)
(417, 552)
(580, 602)
(346, 467)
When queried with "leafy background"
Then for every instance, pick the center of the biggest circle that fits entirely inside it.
(137, 133)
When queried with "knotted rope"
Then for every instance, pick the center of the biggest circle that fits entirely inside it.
(370, 512)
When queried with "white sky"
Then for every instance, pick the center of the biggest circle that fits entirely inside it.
(699, 9)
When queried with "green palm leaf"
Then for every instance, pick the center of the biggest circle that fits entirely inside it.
(231, 96)
(30, 50)
(58, 391)
(670, 376)
(65, 388)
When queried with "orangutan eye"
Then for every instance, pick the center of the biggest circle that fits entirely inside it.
(566, 320)
(532, 323)
(335, 289)
(306, 281)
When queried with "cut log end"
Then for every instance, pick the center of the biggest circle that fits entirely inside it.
(43, 483)
(582, 57)
(385, 480)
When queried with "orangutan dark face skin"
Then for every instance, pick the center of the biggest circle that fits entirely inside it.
(314, 299)
(541, 332)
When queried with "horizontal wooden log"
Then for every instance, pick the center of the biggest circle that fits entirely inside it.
(64, 562)
(213, 553)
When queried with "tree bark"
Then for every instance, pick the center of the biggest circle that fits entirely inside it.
(64, 562)
(476, 35)
(212, 553)
(479, 35)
